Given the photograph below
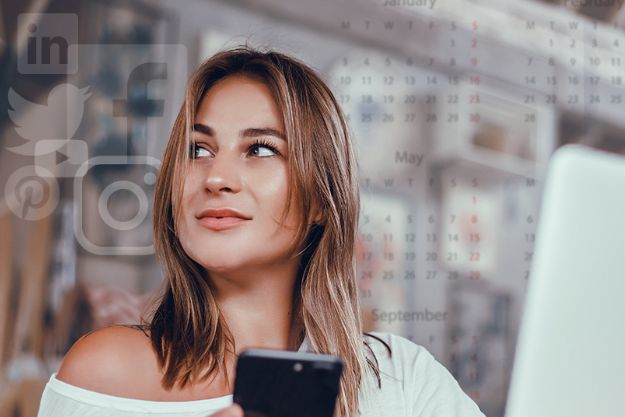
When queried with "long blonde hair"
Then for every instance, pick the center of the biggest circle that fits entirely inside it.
(187, 330)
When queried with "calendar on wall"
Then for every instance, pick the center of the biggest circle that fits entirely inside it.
(453, 139)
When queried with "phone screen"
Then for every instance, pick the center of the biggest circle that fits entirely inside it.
(275, 383)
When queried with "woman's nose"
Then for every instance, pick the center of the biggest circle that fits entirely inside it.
(223, 173)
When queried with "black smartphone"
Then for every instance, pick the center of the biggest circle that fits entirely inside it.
(278, 383)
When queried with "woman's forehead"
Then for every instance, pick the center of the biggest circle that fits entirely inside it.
(236, 101)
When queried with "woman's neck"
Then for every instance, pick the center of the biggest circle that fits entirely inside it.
(259, 310)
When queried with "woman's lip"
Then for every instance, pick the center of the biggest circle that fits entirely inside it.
(222, 223)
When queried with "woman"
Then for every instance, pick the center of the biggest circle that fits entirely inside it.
(255, 220)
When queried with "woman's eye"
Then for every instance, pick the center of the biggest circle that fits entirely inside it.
(196, 151)
(259, 146)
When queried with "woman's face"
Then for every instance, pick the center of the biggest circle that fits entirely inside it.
(228, 169)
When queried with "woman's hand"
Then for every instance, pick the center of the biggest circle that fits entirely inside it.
(234, 410)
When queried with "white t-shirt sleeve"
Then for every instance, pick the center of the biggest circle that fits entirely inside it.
(60, 399)
(54, 404)
(430, 389)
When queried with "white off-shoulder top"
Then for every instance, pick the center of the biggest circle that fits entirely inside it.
(414, 384)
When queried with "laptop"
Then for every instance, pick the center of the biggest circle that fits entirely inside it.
(570, 357)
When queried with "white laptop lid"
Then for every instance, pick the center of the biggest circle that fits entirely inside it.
(570, 358)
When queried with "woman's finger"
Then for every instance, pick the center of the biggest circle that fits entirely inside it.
(234, 410)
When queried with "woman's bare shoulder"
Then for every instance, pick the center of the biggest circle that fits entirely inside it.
(106, 360)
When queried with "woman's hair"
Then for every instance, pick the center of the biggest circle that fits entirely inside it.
(187, 329)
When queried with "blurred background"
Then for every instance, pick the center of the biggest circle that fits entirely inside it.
(456, 107)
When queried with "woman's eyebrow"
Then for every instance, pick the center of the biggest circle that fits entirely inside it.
(249, 132)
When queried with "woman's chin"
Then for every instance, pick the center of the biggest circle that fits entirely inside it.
(214, 262)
